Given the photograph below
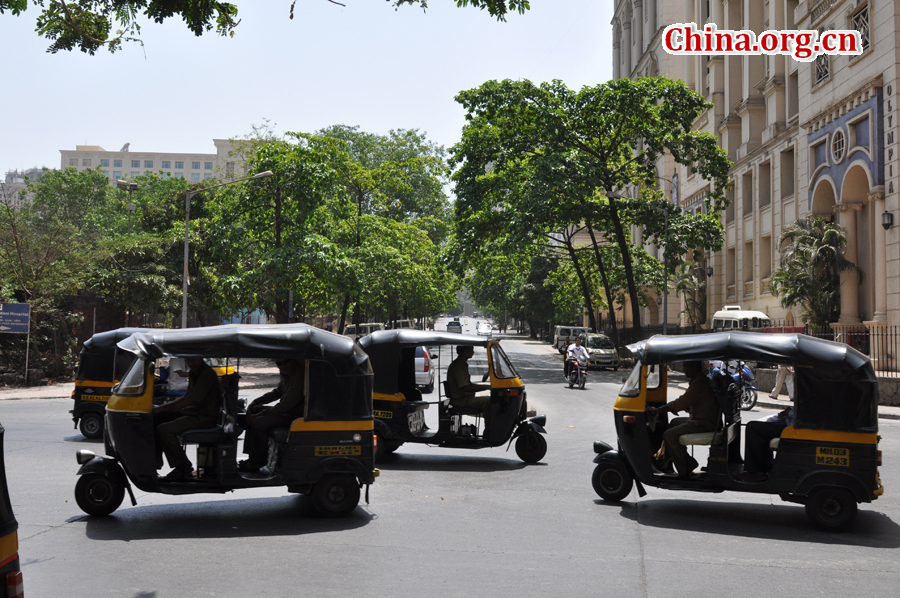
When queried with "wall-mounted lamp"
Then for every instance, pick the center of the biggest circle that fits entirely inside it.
(709, 271)
(659, 300)
(887, 220)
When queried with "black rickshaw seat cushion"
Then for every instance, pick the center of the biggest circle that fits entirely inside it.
(279, 435)
(700, 439)
(214, 435)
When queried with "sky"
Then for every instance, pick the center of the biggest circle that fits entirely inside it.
(365, 64)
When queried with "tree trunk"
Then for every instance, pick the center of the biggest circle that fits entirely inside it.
(585, 288)
(626, 263)
(344, 313)
(603, 277)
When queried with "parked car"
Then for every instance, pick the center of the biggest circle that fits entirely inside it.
(563, 335)
(454, 326)
(602, 351)
(403, 325)
(364, 329)
(484, 329)
(425, 370)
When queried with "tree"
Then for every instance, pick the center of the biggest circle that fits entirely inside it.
(88, 25)
(812, 259)
(583, 150)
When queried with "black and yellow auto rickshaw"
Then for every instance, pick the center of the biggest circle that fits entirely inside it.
(100, 366)
(399, 408)
(10, 574)
(827, 460)
(328, 453)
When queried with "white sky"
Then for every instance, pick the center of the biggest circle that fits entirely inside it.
(365, 64)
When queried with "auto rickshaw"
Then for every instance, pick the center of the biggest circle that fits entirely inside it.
(399, 408)
(827, 460)
(328, 453)
(11, 575)
(101, 365)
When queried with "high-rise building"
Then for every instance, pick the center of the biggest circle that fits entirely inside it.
(805, 138)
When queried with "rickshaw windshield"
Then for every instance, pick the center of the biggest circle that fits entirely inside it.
(133, 383)
(502, 367)
(632, 386)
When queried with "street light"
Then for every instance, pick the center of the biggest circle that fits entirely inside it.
(187, 217)
(129, 207)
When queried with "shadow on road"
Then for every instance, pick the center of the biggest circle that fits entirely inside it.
(771, 522)
(282, 516)
(82, 440)
(403, 462)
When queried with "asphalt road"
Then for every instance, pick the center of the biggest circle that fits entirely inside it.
(443, 523)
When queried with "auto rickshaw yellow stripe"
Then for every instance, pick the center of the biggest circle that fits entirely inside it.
(97, 383)
(829, 436)
(9, 546)
(506, 382)
(378, 396)
(301, 425)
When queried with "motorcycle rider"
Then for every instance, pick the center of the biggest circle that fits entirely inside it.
(575, 353)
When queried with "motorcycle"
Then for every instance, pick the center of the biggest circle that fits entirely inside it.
(744, 378)
(578, 373)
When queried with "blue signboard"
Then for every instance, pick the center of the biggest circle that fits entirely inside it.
(15, 318)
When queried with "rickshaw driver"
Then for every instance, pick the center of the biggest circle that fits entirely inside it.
(700, 402)
(261, 419)
(460, 387)
(198, 408)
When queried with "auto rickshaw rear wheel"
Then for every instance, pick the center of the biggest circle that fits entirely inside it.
(91, 425)
(531, 447)
(831, 508)
(336, 495)
(612, 481)
(98, 495)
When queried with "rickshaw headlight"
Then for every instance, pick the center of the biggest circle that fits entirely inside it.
(357, 438)
(84, 456)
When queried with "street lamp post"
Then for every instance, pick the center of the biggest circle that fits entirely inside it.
(129, 207)
(187, 218)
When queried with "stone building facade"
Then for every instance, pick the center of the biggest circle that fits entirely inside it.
(805, 137)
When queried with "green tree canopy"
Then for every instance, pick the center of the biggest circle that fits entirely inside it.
(89, 25)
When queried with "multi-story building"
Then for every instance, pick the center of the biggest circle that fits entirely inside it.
(127, 164)
(805, 138)
(11, 190)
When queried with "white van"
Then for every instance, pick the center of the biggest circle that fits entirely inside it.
(732, 317)
(563, 335)
(364, 329)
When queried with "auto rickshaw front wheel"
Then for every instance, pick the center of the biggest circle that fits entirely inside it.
(612, 481)
(831, 508)
(531, 447)
(336, 495)
(98, 495)
(91, 425)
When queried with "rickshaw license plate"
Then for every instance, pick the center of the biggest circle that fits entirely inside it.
(338, 451)
(826, 455)
(383, 414)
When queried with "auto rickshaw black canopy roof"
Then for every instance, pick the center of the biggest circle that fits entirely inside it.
(284, 341)
(835, 385)
(386, 350)
(99, 353)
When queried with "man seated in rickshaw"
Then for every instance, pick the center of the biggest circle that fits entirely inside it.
(700, 402)
(198, 408)
(460, 388)
(261, 418)
(757, 453)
